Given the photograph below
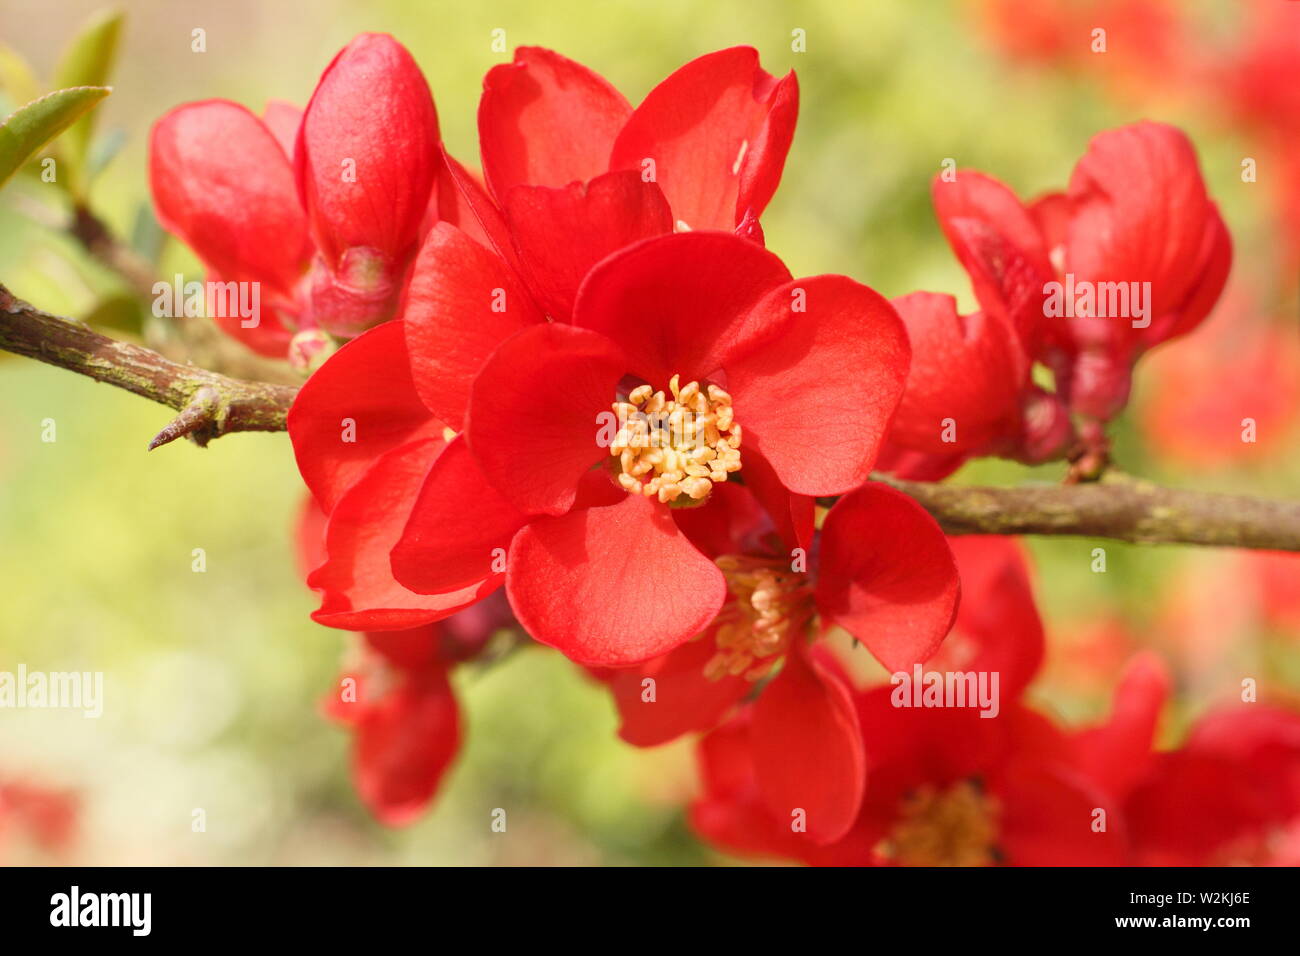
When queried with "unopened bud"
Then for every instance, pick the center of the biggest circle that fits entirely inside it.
(1100, 384)
(359, 294)
(1047, 433)
(309, 349)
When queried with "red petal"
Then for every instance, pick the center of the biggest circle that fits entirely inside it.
(545, 120)
(678, 304)
(886, 575)
(533, 424)
(808, 749)
(731, 811)
(595, 219)
(718, 130)
(410, 649)
(905, 463)
(310, 536)
(1265, 742)
(1000, 245)
(358, 592)
(1193, 809)
(612, 586)
(455, 526)
(1140, 214)
(358, 405)
(792, 515)
(732, 522)
(965, 381)
(283, 119)
(816, 399)
(273, 331)
(404, 744)
(998, 629)
(1117, 754)
(1215, 264)
(461, 303)
(1046, 817)
(372, 109)
(466, 204)
(222, 183)
(684, 699)
(910, 746)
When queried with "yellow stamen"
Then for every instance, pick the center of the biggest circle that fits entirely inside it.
(952, 827)
(679, 446)
(770, 607)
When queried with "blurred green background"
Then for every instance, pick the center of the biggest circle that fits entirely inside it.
(213, 679)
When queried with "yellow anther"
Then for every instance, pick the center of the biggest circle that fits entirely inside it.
(770, 608)
(668, 448)
(956, 826)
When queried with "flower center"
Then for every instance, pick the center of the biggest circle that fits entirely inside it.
(956, 826)
(770, 606)
(669, 447)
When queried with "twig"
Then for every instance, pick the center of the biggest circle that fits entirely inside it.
(1117, 506)
(211, 405)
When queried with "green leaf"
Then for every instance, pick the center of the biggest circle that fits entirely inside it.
(147, 235)
(103, 150)
(88, 61)
(118, 312)
(25, 133)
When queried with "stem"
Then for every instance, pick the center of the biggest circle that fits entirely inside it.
(102, 245)
(1117, 506)
(211, 405)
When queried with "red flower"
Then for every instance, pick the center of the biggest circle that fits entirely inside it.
(1230, 794)
(1085, 281)
(396, 694)
(47, 816)
(944, 786)
(969, 391)
(564, 153)
(1206, 394)
(323, 214)
(1136, 211)
(404, 719)
(597, 565)
(881, 571)
(1277, 577)
(1145, 49)
(1258, 83)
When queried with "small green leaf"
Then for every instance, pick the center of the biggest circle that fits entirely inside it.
(147, 235)
(25, 133)
(103, 149)
(118, 312)
(88, 61)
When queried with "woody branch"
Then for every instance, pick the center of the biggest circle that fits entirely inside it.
(210, 405)
(1117, 506)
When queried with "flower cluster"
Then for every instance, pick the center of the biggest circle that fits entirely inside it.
(580, 399)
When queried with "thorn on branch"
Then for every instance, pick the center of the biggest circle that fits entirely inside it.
(199, 420)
